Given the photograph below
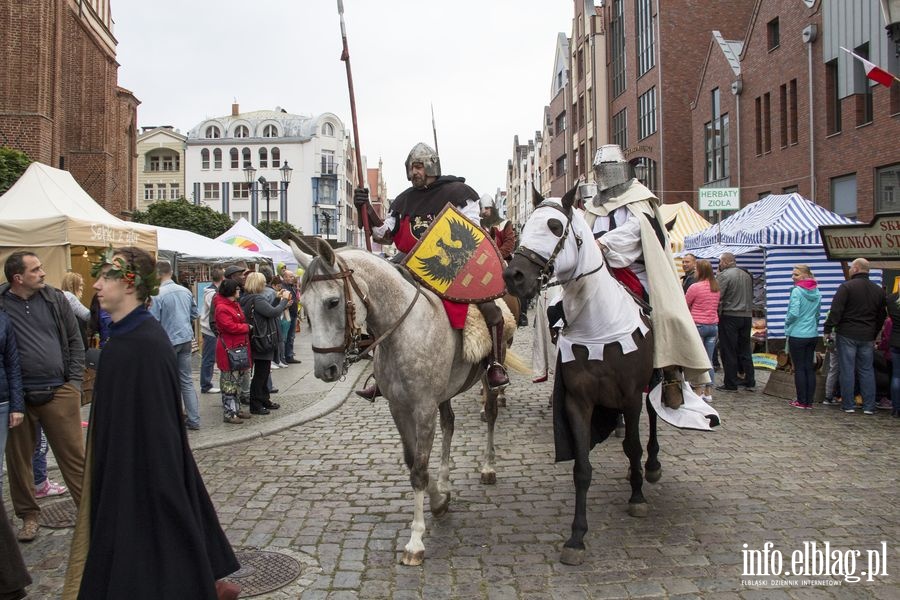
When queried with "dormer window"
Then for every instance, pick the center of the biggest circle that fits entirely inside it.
(270, 131)
(213, 132)
(328, 130)
(241, 131)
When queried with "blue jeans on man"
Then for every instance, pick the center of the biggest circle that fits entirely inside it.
(188, 394)
(855, 359)
(207, 362)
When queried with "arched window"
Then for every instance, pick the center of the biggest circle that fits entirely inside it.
(241, 131)
(204, 159)
(217, 158)
(246, 155)
(213, 132)
(263, 158)
(270, 131)
(235, 161)
(276, 158)
(328, 129)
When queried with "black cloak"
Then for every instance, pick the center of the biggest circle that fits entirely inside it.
(151, 526)
(13, 575)
(430, 200)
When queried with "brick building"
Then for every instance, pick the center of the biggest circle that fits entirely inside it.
(59, 98)
(555, 155)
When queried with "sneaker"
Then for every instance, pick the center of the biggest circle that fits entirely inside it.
(706, 398)
(192, 427)
(829, 402)
(849, 411)
(294, 361)
(807, 406)
(49, 488)
(275, 366)
(29, 530)
(213, 390)
(868, 412)
(884, 404)
(797, 404)
(233, 420)
(283, 365)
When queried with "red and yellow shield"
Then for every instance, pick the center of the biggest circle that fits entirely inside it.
(457, 260)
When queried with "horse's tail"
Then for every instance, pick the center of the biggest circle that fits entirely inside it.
(517, 363)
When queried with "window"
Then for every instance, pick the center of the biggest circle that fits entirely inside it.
(843, 195)
(171, 162)
(276, 158)
(213, 132)
(269, 216)
(328, 130)
(211, 191)
(148, 191)
(773, 35)
(582, 160)
(235, 161)
(561, 166)
(581, 120)
(204, 159)
(833, 98)
(270, 131)
(791, 189)
(154, 163)
(560, 123)
(887, 188)
(217, 158)
(792, 106)
(617, 48)
(716, 141)
(767, 122)
(762, 195)
(245, 154)
(647, 113)
(263, 158)
(241, 131)
(645, 38)
(328, 162)
(174, 191)
(161, 191)
(783, 114)
(620, 128)
(238, 215)
(864, 107)
(326, 192)
(240, 190)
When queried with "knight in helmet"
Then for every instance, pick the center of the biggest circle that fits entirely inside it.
(408, 219)
(629, 229)
(502, 231)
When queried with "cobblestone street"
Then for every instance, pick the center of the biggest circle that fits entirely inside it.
(334, 493)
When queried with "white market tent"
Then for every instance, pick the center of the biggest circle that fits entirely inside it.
(770, 236)
(47, 212)
(188, 246)
(244, 235)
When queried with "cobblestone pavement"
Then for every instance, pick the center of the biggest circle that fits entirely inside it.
(334, 494)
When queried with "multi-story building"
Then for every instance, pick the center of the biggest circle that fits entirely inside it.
(160, 161)
(219, 151)
(522, 172)
(587, 110)
(555, 156)
(784, 109)
(59, 98)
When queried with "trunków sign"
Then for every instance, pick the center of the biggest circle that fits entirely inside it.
(878, 240)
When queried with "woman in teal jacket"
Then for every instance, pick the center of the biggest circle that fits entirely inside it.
(801, 326)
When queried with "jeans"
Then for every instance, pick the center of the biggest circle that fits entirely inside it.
(39, 458)
(188, 394)
(4, 431)
(832, 379)
(289, 339)
(803, 357)
(734, 345)
(709, 334)
(207, 362)
(856, 361)
(895, 378)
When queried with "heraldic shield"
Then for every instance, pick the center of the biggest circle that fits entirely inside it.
(457, 260)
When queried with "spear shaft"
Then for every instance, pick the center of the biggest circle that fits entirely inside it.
(345, 56)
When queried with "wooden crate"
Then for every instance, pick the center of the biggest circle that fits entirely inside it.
(781, 385)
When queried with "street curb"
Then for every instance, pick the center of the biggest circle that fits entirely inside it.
(331, 402)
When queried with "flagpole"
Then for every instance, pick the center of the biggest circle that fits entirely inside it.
(872, 66)
(345, 56)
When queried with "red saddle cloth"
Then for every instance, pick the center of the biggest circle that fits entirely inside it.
(626, 277)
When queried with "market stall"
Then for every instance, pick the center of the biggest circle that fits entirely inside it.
(244, 235)
(681, 220)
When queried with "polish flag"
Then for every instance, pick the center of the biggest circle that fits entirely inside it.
(873, 71)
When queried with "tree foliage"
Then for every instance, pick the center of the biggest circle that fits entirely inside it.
(276, 229)
(12, 164)
(181, 214)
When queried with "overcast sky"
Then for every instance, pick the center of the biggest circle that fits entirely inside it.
(486, 65)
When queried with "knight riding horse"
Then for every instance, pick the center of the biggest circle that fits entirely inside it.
(410, 216)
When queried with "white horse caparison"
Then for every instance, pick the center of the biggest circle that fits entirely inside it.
(418, 365)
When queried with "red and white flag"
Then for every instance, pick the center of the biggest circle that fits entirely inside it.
(873, 71)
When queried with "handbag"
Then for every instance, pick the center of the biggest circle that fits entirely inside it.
(262, 338)
(238, 357)
(91, 362)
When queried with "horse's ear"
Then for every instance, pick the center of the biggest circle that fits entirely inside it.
(569, 199)
(671, 223)
(536, 197)
(326, 252)
(302, 257)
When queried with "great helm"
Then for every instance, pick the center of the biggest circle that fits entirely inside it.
(610, 167)
(425, 154)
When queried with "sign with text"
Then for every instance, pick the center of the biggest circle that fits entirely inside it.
(720, 199)
(878, 240)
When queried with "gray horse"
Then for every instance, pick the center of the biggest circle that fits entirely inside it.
(419, 365)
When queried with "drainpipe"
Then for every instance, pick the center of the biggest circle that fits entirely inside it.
(810, 33)
(659, 108)
(738, 136)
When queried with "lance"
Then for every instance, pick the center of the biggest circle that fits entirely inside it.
(345, 56)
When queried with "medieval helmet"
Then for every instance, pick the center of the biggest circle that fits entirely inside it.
(425, 154)
(610, 167)
(486, 201)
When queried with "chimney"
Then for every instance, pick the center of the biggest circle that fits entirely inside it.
(235, 109)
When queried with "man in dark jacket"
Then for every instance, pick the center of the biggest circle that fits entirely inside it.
(689, 265)
(735, 319)
(52, 359)
(857, 313)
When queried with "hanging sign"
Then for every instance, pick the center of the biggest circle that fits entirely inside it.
(719, 199)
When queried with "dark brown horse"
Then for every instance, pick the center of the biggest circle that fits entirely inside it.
(605, 352)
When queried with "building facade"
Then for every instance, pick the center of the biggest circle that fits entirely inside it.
(60, 102)
(315, 148)
(523, 175)
(160, 166)
(556, 155)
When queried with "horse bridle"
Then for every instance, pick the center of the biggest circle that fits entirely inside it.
(353, 348)
(548, 265)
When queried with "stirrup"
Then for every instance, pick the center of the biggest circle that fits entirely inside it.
(369, 392)
(497, 378)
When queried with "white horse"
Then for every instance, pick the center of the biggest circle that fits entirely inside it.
(419, 364)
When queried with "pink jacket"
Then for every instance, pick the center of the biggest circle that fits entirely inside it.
(704, 304)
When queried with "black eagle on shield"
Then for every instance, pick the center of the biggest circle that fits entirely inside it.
(445, 267)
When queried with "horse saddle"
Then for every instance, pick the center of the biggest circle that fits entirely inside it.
(477, 338)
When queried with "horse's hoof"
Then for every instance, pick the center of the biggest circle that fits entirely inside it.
(413, 559)
(488, 477)
(501, 400)
(653, 476)
(639, 510)
(439, 511)
(571, 556)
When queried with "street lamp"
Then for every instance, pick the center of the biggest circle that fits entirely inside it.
(640, 172)
(890, 9)
(250, 175)
(327, 216)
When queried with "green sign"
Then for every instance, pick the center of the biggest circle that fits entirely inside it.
(720, 199)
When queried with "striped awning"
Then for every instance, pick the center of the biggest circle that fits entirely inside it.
(687, 222)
